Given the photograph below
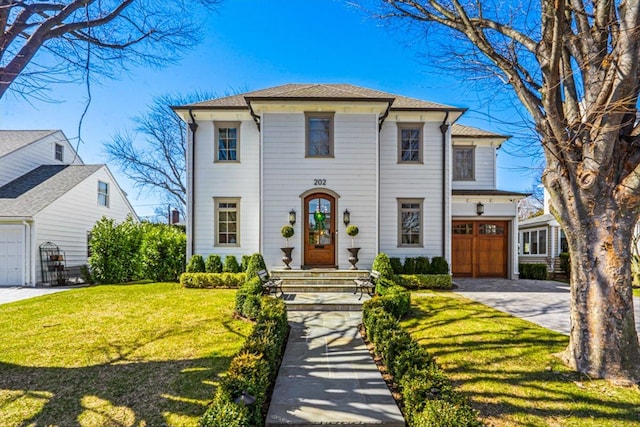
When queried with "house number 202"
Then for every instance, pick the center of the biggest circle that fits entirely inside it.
(319, 182)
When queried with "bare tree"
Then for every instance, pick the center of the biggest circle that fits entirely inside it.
(44, 42)
(573, 64)
(153, 155)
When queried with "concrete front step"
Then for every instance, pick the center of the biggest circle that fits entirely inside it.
(324, 301)
(318, 280)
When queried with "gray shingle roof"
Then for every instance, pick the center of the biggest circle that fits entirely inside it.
(35, 190)
(11, 140)
(315, 91)
(471, 132)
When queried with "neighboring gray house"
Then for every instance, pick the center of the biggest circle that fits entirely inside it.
(322, 156)
(55, 199)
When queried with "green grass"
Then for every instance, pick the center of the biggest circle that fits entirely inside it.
(119, 355)
(636, 292)
(507, 369)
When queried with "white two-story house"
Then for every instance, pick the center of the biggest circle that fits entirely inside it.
(324, 155)
(49, 198)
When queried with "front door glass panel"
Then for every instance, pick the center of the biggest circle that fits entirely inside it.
(319, 211)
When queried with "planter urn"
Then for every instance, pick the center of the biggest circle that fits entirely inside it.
(353, 257)
(287, 257)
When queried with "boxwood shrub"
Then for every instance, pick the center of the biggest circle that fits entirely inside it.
(426, 281)
(231, 265)
(439, 265)
(396, 265)
(428, 396)
(196, 264)
(533, 271)
(253, 370)
(212, 280)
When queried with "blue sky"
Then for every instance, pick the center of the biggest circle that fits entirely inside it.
(253, 44)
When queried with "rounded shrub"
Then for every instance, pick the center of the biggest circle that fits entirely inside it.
(196, 264)
(383, 265)
(443, 413)
(245, 262)
(396, 265)
(409, 265)
(256, 263)
(213, 264)
(353, 230)
(231, 265)
(422, 265)
(439, 265)
(287, 231)
(251, 306)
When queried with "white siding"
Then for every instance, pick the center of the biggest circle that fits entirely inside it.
(402, 180)
(485, 170)
(230, 180)
(351, 173)
(66, 221)
(42, 152)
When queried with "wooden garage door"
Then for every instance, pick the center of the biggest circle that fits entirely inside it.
(479, 248)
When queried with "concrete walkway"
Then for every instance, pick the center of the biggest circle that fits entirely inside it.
(18, 293)
(543, 302)
(327, 376)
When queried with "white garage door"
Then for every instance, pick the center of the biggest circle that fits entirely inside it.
(11, 255)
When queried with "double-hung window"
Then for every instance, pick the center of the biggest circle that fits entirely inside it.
(463, 163)
(410, 222)
(227, 141)
(410, 142)
(59, 152)
(534, 242)
(103, 194)
(227, 221)
(319, 134)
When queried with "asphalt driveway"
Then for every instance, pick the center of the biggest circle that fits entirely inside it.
(543, 302)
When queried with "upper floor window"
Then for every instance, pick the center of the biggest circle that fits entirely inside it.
(228, 141)
(463, 164)
(534, 242)
(227, 221)
(410, 142)
(410, 222)
(319, 134)
(59, 152)
(103, 194)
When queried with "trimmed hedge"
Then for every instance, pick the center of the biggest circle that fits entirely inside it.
(251, 290)
(382, 264)
(426, 281)
(231, 265)
(213, 264)
(439, 265)
(212, 280)
(565, 262)
(253, 370)
(428, 396)
(533, 271)
(196, 264)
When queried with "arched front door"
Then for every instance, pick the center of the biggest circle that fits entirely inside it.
(319, 230)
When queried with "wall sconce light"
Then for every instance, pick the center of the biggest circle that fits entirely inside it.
(479, 208)
(292, 217)
(346, 217)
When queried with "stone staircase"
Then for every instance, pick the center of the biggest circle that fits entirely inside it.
(321, 289)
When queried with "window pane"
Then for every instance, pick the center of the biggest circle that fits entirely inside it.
(463, 163)
(227, 143)
(463, 229)
(410, 144)
(319, 136)
(543, 242)
(534, 242)
(525, 243)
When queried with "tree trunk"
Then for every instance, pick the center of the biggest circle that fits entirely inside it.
(603, 340)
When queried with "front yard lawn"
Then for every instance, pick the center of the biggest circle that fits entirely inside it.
(507, 369)
(119, 355)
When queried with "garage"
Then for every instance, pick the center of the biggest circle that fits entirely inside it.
(479, 248)
(11, 255)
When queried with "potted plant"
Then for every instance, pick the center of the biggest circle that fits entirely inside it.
(287, 232)
(353, 230)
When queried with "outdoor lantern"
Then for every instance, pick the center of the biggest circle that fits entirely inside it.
(245, 399)
(479, 208)
(292, 217)
(346, 217)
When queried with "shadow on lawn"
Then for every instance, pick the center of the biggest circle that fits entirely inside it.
(510, 370)
(120, 393)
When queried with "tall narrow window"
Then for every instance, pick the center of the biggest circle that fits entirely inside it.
(227, 212)
(534, 242)
(103, 193)
(410, 222)
(463, 164)
(410, 142)
(319, 134)
(228, 141)
(59, 152)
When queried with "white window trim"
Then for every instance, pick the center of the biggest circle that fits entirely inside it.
(105, 194)
(529, 231)
(225, 125)
(217, 210)
(420, 202)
